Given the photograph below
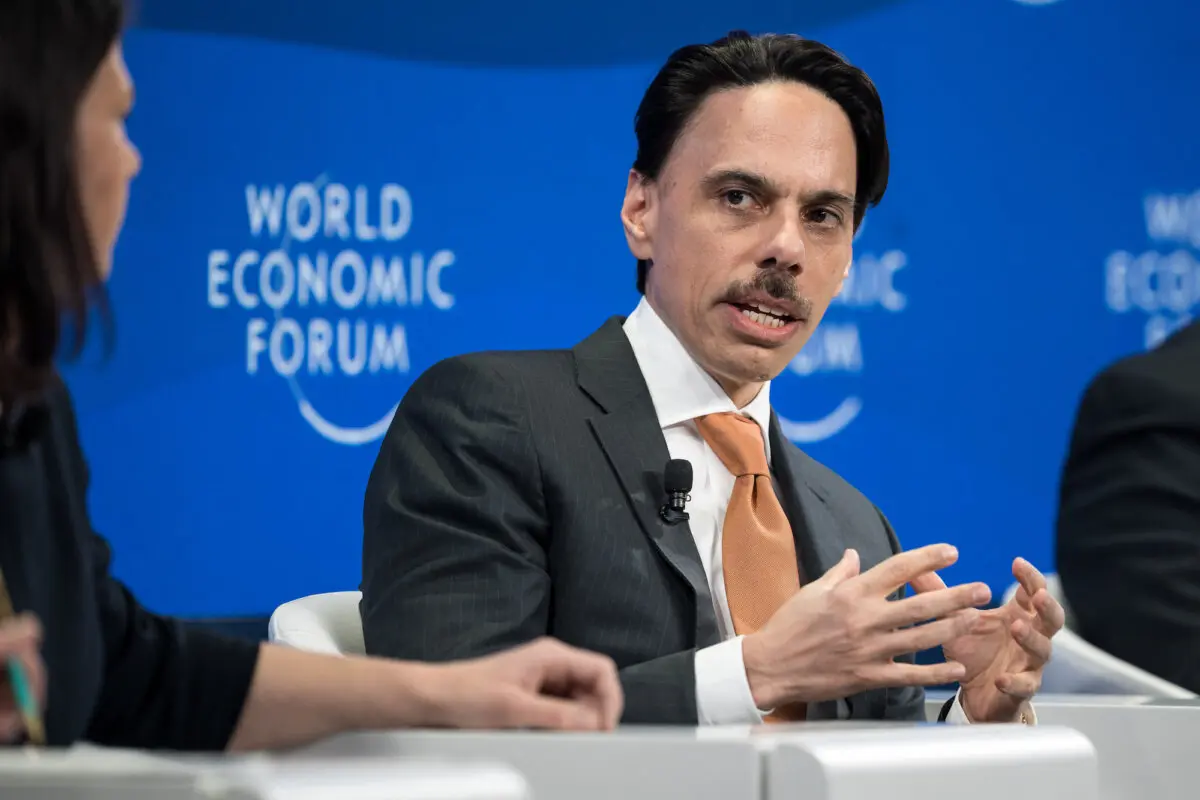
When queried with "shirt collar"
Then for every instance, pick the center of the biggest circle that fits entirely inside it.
(680, 388)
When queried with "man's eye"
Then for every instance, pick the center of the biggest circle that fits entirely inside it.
(825, 217)
(737, 198)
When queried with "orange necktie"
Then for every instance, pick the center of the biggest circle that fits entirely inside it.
(757, 548)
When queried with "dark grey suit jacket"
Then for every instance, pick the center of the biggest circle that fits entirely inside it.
(1129, 511)
(516, 495)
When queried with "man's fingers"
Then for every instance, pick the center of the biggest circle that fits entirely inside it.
(923, 637)
(843, 570)
(928, 582)
(903, 568)
(1032, 642)
(1028, 576)
(1023, 685)
(1023, 599)
(934, 605)
(905, 674)
(1051, 614)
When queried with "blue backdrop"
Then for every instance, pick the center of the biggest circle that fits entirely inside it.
(333, 200)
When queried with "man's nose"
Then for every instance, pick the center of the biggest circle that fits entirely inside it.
(785, 247)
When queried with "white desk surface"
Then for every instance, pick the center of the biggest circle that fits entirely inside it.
(1145, 749)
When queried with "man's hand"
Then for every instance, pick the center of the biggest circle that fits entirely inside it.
(20, 638)
(839, 635)
(1006, 649)
(545, 684)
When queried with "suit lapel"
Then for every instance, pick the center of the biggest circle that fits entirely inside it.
(628, 431)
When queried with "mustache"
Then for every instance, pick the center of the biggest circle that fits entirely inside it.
(774, 283)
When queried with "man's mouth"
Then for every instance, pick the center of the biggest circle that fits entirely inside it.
(763, 315)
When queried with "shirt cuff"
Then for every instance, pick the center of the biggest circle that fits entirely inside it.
(722, 689)
(958, 715)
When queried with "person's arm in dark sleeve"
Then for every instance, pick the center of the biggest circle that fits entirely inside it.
(1128, 529)
(166, 685)
(457, 536)
(169, 687)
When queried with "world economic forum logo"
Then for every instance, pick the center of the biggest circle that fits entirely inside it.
(323, 287)
(1161, 280)
(836, 346)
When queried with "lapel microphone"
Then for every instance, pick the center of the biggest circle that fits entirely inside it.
(677, 480)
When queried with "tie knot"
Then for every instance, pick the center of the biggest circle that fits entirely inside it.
(737, 441)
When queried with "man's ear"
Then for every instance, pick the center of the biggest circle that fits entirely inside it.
(638, 214)
(845, 275)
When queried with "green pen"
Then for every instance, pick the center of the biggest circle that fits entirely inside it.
(27, 704)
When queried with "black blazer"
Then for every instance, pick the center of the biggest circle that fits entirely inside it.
(118, 674)
(516, 496)
(1129, 511)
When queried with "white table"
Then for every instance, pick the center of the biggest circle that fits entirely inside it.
(818, 761)
(1148, 749)
(87, 773)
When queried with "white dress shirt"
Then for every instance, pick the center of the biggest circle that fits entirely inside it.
(682, 391)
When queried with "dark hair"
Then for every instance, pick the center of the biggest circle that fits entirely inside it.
(694, 72)
(49, 52)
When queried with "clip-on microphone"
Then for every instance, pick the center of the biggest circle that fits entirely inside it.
(677, 480)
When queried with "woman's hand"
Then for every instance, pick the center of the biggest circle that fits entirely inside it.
(545, 684)
(20, 639)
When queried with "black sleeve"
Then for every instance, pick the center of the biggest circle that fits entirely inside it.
(165, 686)
(456, 536)
(1128, 529)
(903, 702)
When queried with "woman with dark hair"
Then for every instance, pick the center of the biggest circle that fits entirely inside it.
(105, 669)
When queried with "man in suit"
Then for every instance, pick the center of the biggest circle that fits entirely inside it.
(1129, 511)
(519, 494)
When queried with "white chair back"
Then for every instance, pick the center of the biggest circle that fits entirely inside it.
(320, 623)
